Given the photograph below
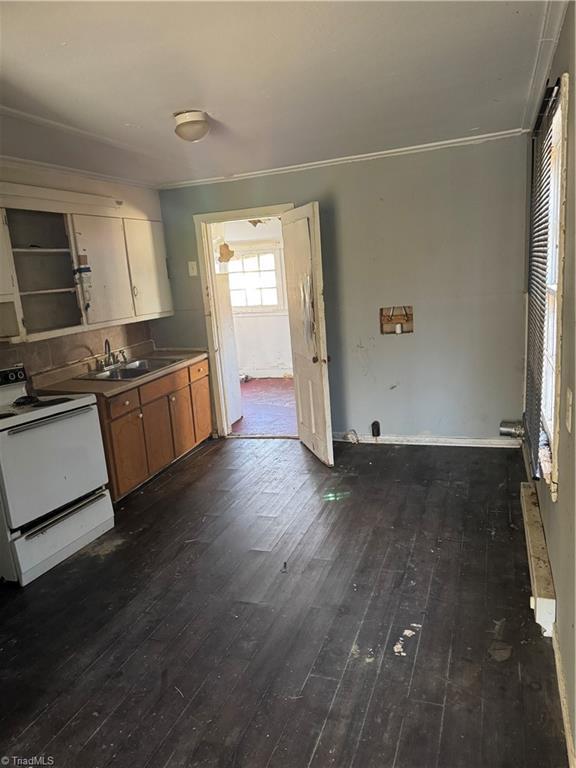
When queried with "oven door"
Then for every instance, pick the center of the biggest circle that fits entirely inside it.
(55, 539)
(48, 463)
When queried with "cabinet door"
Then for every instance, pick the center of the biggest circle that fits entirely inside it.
(106, 289)
(129, 450)
(147, 259)
(182, 421)
(202, 409)
(7, 281)
(158, 434)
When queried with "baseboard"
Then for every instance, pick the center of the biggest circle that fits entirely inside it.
(270, 373)
(564, 699)
(465, 442)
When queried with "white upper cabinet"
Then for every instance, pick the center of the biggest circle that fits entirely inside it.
(9, 326)
(7, 284)
(106, 284)
(147, 260)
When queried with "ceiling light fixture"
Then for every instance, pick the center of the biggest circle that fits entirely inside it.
(191, 125)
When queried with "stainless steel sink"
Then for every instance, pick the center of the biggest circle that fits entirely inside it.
(130, 370)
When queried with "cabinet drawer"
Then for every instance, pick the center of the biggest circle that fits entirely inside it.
(124, 403)
(163, 386)
(199, 370)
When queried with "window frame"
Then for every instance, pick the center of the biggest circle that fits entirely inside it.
(548, 452)
(551, 346)
(257, 247)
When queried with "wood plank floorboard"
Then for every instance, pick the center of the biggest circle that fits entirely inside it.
(254, 609)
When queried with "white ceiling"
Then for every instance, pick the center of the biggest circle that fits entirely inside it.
(92, 86)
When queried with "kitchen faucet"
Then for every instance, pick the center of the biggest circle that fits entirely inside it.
(109, 356)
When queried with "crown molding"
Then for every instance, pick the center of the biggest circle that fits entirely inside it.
(552, 22)
(8, 161)
(459, 142)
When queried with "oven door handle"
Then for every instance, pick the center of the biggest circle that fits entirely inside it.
(50, 420)
(40, 529)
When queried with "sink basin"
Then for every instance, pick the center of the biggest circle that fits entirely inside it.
(114, 374)
(149, 364)
(131, 370)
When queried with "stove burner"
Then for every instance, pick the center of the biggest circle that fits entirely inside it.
(25, 400)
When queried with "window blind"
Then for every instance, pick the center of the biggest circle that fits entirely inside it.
(537, 268)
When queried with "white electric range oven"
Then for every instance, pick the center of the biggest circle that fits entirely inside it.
(53, 496)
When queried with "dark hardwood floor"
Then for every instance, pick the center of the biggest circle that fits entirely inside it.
(254, 608)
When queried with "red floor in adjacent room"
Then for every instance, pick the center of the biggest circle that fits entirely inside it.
(269, 408)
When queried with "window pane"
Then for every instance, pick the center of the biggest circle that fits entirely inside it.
(237, 280)
(250, 263)
(253, 297)
(235, 265)
(238, 298)
(268, 279)
(267, 261)
(269, 296)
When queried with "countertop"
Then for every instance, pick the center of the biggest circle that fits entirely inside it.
(112, 388)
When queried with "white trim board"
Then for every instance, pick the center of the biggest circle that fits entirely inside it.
(458, 142)
(543, 599)
(267, 373)
(463, 442)
(570, 747)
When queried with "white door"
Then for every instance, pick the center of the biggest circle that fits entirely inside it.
(106, 288)
(305, 292)
(147, 260)
(228, 355)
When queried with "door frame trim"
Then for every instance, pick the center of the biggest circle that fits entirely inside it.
(202, 222)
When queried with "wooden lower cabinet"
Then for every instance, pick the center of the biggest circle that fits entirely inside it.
(158, 434)
(129, 462)
(182, 421)
(148, 427)
(202, 408)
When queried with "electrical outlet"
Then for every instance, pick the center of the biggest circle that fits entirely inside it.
(192, 269)
(569, 401)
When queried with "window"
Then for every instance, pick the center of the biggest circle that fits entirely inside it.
(543, 352)
(550, 349)
(256, 279)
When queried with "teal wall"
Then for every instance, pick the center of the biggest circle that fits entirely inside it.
(442, 230)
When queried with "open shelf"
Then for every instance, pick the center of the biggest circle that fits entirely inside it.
(49, 291)
(47, 311)
(37, 229)
(38, 249)
(42, 271)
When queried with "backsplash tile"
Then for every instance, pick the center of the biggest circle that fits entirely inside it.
(39, 356)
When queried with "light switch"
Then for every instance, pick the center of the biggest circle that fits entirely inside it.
(569, 400)
(192, 269)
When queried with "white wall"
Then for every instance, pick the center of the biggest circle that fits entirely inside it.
(262, 338)
(263, 345)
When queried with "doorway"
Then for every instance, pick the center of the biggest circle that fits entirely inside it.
(248, 256)
(301, 284)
